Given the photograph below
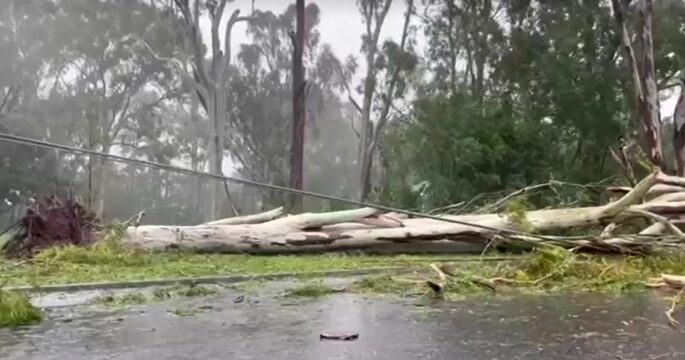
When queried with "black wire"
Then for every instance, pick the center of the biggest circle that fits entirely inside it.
(49, 145)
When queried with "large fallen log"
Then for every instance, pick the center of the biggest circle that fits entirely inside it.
(367, 229)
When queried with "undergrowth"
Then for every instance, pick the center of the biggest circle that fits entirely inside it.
(547, 270)
(17, 310)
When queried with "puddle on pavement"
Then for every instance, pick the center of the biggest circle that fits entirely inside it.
(549, 327)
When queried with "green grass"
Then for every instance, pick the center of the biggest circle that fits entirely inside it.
(107, 261)
(16, 310)
(547, 270)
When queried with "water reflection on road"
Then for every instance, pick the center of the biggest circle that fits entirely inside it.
(550, 328)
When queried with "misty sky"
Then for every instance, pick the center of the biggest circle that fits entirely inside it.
(341, 24)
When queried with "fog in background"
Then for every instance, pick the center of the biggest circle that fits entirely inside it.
(495, 96)
(67, 85)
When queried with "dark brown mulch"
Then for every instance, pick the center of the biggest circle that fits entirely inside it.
(49, 222)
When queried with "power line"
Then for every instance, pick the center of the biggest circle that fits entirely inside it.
(74, 150)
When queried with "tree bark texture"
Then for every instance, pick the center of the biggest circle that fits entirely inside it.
(374, 16)
(366, 228)
(211, 87)
(645, 93)
(299, 108)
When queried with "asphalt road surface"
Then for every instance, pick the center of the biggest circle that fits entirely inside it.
(270, 327)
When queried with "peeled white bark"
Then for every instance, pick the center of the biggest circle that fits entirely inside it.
(367, 229)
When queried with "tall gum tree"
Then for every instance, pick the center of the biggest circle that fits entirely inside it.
(391, 60)
(210, 73)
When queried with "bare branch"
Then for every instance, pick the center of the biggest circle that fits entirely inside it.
(659, 219)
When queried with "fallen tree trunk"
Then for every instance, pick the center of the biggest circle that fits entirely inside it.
(367, 229)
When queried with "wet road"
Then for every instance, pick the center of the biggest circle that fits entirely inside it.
(549, 328)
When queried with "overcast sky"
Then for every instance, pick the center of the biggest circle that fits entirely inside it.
(340, 26)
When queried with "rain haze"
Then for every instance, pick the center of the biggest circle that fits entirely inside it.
(342, 179)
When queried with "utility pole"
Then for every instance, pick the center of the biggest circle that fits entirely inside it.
(299, 98)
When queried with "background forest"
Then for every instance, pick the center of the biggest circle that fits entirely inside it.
(473, 97)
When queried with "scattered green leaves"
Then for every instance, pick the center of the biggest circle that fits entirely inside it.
(159, 294)
(17, 310)
(311, 290)
(184, 312)
(516, 210)
(547, 270)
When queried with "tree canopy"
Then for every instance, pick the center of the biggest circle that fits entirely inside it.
(465, 98)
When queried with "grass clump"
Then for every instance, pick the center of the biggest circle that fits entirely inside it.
(387, 284)
(549, 269)
(160, 294)
(184, 312)
(17, 310)
(134, 298)
(184, 291)
(311, 290)
(555, 268)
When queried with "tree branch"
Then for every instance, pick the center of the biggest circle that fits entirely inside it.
(234, 19)
(387, 98)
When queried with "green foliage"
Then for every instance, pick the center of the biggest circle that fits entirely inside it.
(547, 260)
(462, 147)
(516, 210)
(497, 108)
(552, 100)
(547, 270)
(17, 310)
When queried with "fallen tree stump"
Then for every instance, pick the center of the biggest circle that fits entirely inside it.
(368, 229)
(50, 222)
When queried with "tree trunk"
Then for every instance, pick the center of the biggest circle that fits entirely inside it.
(374, 17)
(336, 231)
(101, 177)
(366, 229)
(645, 95)
(299, 99)
(215, 160)
(679, 130)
